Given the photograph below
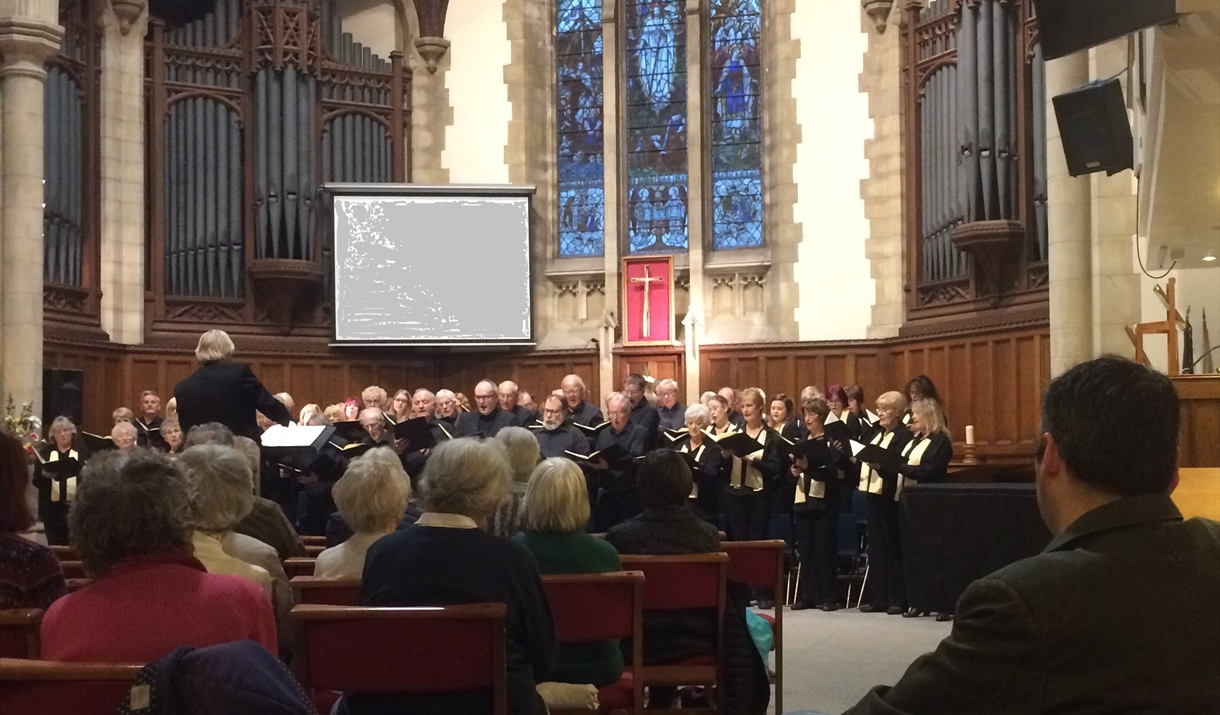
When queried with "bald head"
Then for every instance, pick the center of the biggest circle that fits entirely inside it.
(485, 397)
(573, 390)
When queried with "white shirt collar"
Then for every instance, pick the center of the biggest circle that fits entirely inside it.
(446, 521)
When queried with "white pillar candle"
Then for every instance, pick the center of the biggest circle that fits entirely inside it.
(970, 435)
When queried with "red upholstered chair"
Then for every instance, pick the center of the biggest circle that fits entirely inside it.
(406, 651)
(596, 607)
(19, 632)
(37, 687)
(73, 569)
(675, 583)
(326, 591)
(299, 566)
(760, 564)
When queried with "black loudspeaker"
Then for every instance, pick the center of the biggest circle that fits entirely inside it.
(1093, 125)
(1067, 26)
(63, 393)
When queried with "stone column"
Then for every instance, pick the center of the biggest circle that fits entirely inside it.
(122, 170)
(610, 108)
(1116, 280)
(696, 203)
(26, 43)
(1069, 227)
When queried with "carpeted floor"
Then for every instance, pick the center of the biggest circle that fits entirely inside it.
(832, 659)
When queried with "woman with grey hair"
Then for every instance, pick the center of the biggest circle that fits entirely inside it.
(523, 455)
(445, 559)
(55, 476)
(371, 497)
(221, 495)
(149, 595)
(554, 514)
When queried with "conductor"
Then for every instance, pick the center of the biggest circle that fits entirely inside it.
(224, 391)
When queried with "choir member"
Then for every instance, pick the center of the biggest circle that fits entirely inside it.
(575, 394)
(855, 409)
(615, 481)
(124, 435)
(55, 475)
(446, 406)
(526, 399)
(171, 408)
(782, 419)
(753, 478)
(148, 424)
(707, 395)
(335, 413)
(555, 437)
(488, 419)
(642, 411)
(400, 407)
(709, 474)
(171, 432)
(927, 461)
(815, 512)
(730, 398)
(509, 395)
(373, 421)
(718, 407)
(286, 400)
(880, 484)
(423, 404)
(374, 396)
(671, 411)
(123, 414)
(307, 413)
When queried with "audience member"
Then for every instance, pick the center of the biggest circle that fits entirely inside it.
(222, 494)
(1072, 629)
(523, 454)
(555, 511)
(447, 559)
(30, 576)
(149, 595)
(371, 498)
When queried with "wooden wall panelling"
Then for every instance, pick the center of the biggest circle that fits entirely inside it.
(658, 363)
(1199, 443)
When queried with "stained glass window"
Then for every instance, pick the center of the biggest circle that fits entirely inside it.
(656, 136)
(581, 167)
(736, 124)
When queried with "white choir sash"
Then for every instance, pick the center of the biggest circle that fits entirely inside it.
(870, 479)
(914, 454)
(694, 487)
(745, 474)
(69, 488)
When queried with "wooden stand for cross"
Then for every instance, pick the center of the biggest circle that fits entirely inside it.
(648, 279)
(1167, 327)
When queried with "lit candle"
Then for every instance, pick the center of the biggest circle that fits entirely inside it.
(970, 435)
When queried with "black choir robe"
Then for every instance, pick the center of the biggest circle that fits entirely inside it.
(927, 459)
(55, 476)
(793, 431)
(148, 434)
(710, 478)
(413, 461)
(585, 414)
(477, 424)
(524, 417)
(672, 417)
(884, 482)
(647, 417)
(564, 438)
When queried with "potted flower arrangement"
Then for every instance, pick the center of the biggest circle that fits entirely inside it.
(25, 425)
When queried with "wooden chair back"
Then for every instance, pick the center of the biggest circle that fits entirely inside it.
(326, 591)
(595, 607)
(299, 566)
(64, 553)
(312, 550)
(19, 632)
(760, 564)
(36, 687)
(73, 569)
(675, 583)
(405, 651)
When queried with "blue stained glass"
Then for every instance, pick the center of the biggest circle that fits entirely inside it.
(579, 121)
(736, 156)
(656, 136)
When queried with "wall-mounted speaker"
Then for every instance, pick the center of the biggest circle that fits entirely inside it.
(63, 393)
(1095, 130)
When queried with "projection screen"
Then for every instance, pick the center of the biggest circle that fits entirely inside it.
(431, 265)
